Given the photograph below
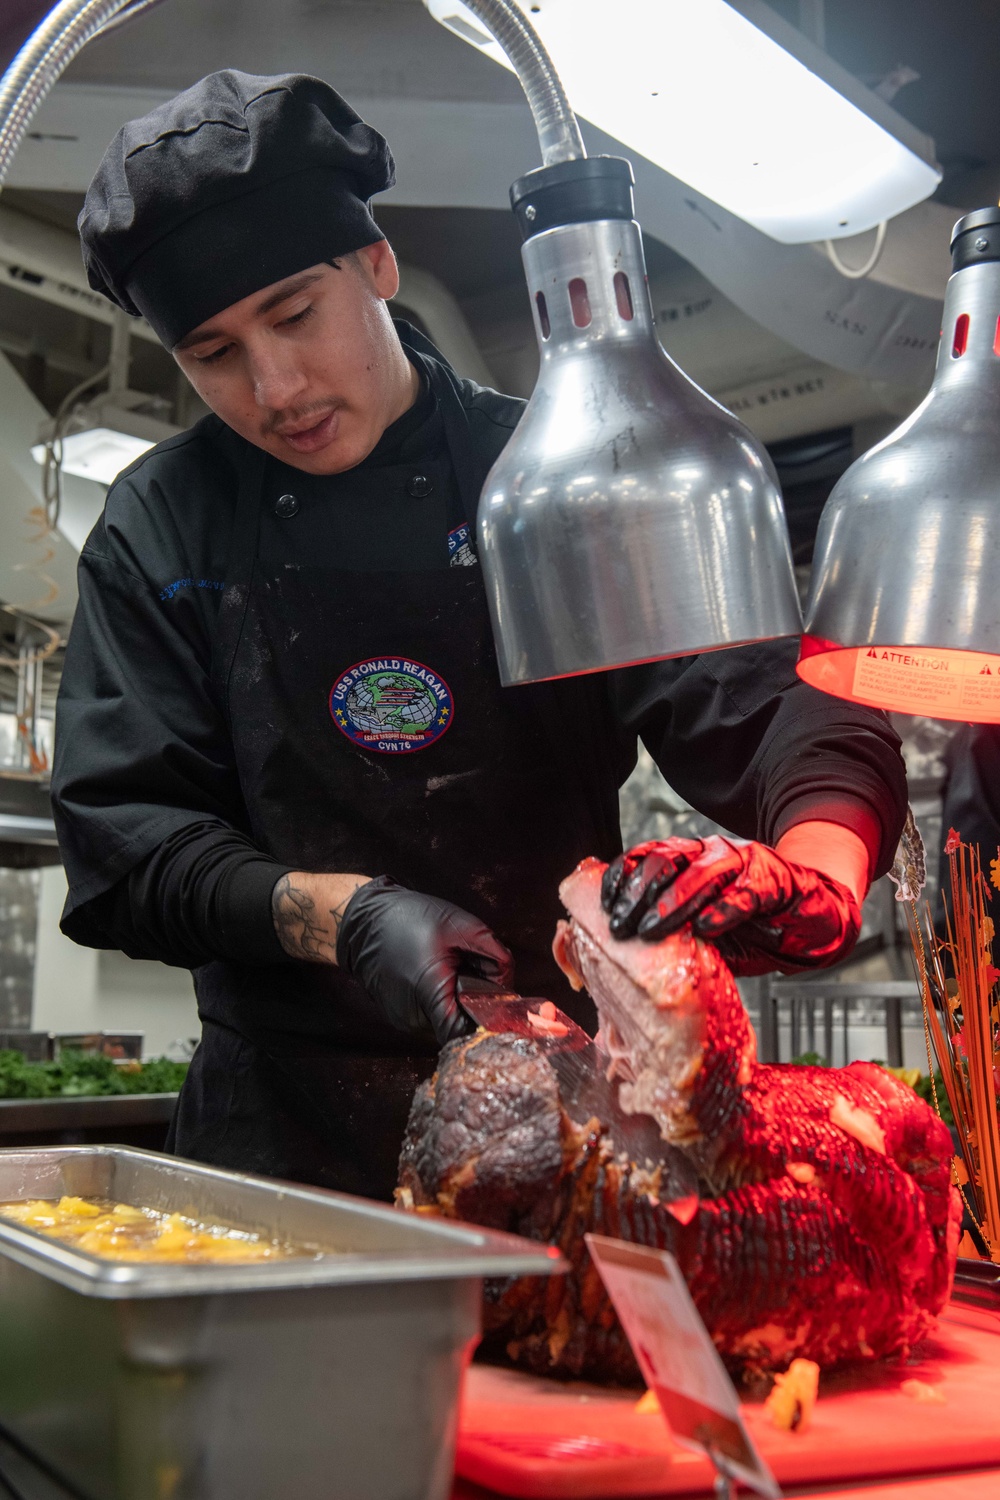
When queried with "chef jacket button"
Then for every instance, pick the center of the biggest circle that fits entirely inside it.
(286, 506)
(418, 486)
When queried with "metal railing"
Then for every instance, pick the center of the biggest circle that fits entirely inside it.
(793, 1017)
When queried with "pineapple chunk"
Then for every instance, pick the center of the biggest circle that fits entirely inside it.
(79, 1208)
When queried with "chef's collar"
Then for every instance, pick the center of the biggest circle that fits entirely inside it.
(415, 434)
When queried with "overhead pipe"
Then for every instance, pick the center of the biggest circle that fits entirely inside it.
(439, 311)
(46, 55)
(44, 262)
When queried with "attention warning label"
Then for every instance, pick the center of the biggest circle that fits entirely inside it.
(940, 684)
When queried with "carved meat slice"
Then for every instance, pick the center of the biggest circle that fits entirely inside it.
(826, 1226)
(658, 1004)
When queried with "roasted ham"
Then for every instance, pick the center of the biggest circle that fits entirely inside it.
(825, 1225)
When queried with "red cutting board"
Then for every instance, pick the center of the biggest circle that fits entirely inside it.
(539, 1439)
(962, 1486)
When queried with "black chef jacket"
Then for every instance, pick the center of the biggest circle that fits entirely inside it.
(147, 748)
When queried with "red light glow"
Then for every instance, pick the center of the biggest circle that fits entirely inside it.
(961, 340)
(941, 684)
(579, 301)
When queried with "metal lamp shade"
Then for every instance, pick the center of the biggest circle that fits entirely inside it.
(630, 517)
(904, 611)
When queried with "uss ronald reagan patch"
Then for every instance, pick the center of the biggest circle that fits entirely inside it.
(391, 705)
(460, 553)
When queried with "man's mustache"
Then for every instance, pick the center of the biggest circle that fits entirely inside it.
(297, 417)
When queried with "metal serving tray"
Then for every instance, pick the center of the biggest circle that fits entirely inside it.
(334, 1377)
(978, 1283)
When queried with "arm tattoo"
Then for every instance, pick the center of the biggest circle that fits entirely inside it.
(304, 929)
(301, 929)
(337, 913)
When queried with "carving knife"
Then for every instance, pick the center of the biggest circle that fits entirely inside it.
(584, 1087)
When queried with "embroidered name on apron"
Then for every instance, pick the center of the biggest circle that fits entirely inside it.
(391, 705)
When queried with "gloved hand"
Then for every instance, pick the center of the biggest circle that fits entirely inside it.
(761, 911)
(408, 950)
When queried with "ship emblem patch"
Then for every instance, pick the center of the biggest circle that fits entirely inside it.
(460, 553)
(391, 705)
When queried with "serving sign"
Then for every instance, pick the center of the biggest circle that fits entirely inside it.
(678, 1359)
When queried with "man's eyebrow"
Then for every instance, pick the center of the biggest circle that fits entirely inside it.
(286, 290)
(199, 336)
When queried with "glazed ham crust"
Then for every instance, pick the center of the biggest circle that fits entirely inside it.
(826, 1225)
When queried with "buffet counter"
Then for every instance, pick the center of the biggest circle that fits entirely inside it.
(979, 1484)
(886, 1429)
(123, 1119)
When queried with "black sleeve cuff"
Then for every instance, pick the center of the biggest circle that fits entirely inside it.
(246, 926)
(203, 894)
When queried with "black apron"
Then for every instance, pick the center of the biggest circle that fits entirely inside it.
(372, 734)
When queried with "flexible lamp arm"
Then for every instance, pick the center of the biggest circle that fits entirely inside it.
(558, 132)
(68, 28)
(43, 59)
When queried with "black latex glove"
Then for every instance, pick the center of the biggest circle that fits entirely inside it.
(408, 950)
(761, 911)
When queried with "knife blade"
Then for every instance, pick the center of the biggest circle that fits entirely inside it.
(584, 1086)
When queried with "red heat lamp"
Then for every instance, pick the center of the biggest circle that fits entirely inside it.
(904, 608)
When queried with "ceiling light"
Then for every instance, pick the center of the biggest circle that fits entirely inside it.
(99, 453)
(904, 611)
(734, 101)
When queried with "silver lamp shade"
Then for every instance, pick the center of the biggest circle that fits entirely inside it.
(630, 517)
(904, 610)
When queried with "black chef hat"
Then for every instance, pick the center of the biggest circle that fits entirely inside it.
(235, 184)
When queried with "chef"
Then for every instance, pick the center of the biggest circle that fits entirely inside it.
(284, 757)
